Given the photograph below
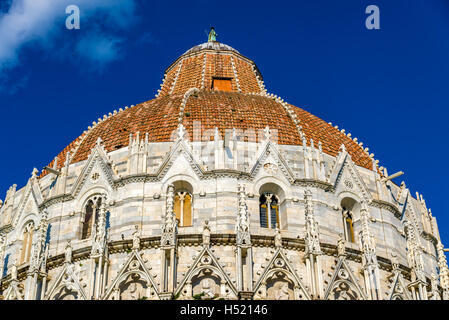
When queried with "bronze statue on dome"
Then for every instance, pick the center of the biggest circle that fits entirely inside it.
(212, 35)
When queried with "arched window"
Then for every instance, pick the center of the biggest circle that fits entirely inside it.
(90, 216)
(183, 208)
(348, 226)
(269, 210)
(27, 239)
(350, 210)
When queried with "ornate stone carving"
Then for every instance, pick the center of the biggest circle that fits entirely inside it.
(206, 233)
(68, 252)
(444, 270)
(242, 225)
(270, 168)
(136, 238)
(414, 254)
(169, 223)
(366, 240)
(312, 234)
(434, 292)
(341, 246)
(99, 233)
(278, 238)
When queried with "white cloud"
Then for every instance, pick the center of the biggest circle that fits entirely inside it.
(38, 23)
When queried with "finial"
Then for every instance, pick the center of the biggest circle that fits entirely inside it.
(212, 35)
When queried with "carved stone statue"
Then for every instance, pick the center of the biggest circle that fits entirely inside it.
(394, 261)
(206, 233)
(434, 294)
(341, 246)
(278, 238)
(14, 270)
(282, 293)
(206, 289)
(68, 252)
(136, 238)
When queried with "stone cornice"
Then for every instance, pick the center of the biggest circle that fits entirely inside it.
(216, 240)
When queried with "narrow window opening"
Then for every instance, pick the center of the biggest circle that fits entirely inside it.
(222, 84)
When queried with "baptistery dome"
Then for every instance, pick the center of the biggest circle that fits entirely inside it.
(217, 189)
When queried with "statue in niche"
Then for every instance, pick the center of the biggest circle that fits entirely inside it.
(344, 292)
(282, 293)
(133, 289)
(206, 289)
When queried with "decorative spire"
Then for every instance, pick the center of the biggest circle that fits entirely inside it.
(367, 243)
(99, 235)
(242, 226)
(212, 35)
(170, 223)
(312, 237)
(444, 270)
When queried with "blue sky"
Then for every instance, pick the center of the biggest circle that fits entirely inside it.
(388, 87)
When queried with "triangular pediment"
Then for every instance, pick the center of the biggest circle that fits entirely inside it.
(180, 156)
(14, 291)
(280, 281)
(343, 284)
(98, 170)
(67, 285)
(271, 162)
(345, 176)
(29, 203)
(398, 289)
(207, 278)
(133, 281)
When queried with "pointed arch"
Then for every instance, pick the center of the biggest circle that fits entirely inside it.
(134, 281)
(343, 284)
(279, 281)
(206, 278)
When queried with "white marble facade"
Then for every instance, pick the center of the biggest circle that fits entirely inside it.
(135, 248)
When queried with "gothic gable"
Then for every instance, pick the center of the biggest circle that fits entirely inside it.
(29, 203)
(206, 279)
(343, 284)
(180, 152)
(279, 281)
(98, 170)
(133, 282)
(398, 289)
(344, 176)
(273, 163)
(14, 291)
(67, 285)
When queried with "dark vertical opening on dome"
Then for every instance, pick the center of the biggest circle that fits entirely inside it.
(222, 84)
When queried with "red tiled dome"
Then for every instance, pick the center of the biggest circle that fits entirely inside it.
(244, 107)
